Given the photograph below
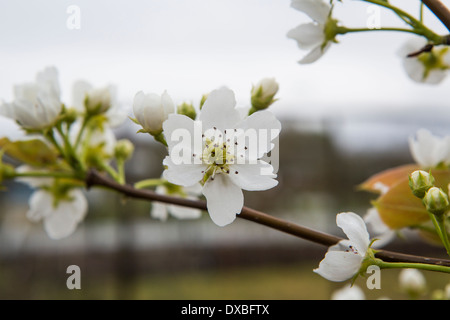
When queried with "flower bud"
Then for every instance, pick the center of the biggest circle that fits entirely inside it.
(436, 201)
(412, 282)
(263, 93)
(420, 182)
(151, 110)
(203, 99)
(97, 101)
(123, 149)
(188, 110)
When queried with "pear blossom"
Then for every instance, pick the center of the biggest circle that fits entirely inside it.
(349, 293)
(315, 36)
(412, 281)
(36, 105)
(428, 150)
(60, 214)
(428, 67)
(85, 97)
(60, 219)
(215, 152)
(161, 211)
(151, 110)
(344, 259)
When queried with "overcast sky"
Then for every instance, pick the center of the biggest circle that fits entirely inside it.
(189, 47)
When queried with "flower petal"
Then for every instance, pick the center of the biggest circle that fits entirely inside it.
(224, 199)
(317, 10)
(307, 35)
(315, 54)
(253, 177)
(184, 175)
(219, 110)
(355, 229)
(339, 266)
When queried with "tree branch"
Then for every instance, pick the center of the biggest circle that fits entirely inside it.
(440, 10)
(96, 179)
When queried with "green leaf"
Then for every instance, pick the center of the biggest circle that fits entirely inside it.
(33, 152)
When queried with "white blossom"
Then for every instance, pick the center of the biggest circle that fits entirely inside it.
(36, 105)
(428, 150)
(151, 110)
(412, 281)
(161, 211)
(344, 260)
(312, 36)
(428, 67)
(216, 155)
(349, 293)
(378, 229)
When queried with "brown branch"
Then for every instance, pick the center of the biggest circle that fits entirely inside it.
(440, 10)
(96, 179)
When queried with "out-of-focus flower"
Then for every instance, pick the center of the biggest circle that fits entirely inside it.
(412, 282)
(428, 67)
(378, 229)
(36, 105)
(349, 293)
(428, 150)
(161, 211)
(315, 36)
(217, 154)
(93, 100)
(151, 110)
(344, 260)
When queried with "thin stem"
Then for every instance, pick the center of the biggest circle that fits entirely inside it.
(422, 266)
(80, 133)
(38, 174)
(344, 30)
(149, 183)
(95, 179)
(443, 232)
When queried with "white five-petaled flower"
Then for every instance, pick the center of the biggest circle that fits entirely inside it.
(36, 105)
(429, 150)
(151, 110)
(313, 36)
(215, 152)
(60, 216)
(428, 67)
(344, 259)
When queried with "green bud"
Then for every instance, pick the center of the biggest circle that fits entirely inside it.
(70, 115)
(187, 109)
(263, 93)
(436, 201)
(124, 149)
(420, 182)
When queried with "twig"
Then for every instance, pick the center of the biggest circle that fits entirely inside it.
(96, 179)
(440, 10)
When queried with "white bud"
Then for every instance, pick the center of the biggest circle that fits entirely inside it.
(412, 281)
(151, 110)
(262, 94)
(98, 100)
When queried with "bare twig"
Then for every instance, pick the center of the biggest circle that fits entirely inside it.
(440, 10)
(96, 179)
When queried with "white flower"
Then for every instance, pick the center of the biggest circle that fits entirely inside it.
(378, 229)
(98, 100)
(161, 211)
(216, 153)
(36, 105)
(61, 218)
(412, 281)
(312, 36)
(151, 110)
(429, 150)
(428, 67)
(349, 293)
(344, 260)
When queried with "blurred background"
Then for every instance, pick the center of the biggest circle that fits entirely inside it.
(345, 117)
